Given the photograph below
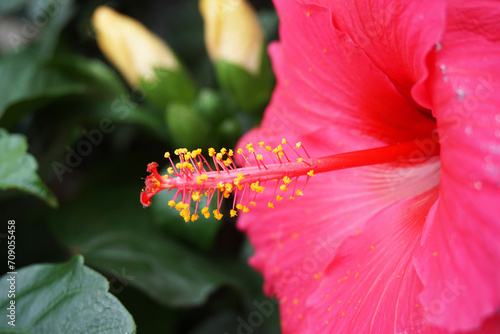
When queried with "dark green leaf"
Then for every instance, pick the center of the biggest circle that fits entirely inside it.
(116, 234)
(18, 168)
(7, 6)
(35, 84)
(64, 298)
(49, 17)
(28, 84)
(98, 76)
(13, 331)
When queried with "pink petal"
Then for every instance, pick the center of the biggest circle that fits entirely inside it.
(372, 286)
(395, 35)
(325, 79)
(460, 255)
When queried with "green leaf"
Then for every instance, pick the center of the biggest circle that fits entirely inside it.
(117, 235)
(63, 298)
(99, 77)
(27, 84)
(18, 168)
(57, 13)
(7, 6)
(30, 84)
(13, 331)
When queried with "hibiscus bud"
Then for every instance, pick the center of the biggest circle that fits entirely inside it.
(234, 39)
(142, 58)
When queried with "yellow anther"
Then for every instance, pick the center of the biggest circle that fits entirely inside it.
(251, 150)
(218, 156)
(194, 218)
(205, 212)
(255, 187)
(310, 173)
(179, 206)
(228, 189)
(170, 170)
(171, 204)
(202, 178)
(196, 196)
(240, 151)
(268, 148)
(299, 193)
(238, 178)
(239, 206)
(188, 165)
(298, 144)
(230, 153)
(261, 144)
(249, 146)
(300, 159)
(245, 209)
(283, 187)
(220, 185)
(279, 198)
(223, 150)
(178, 165)
(217, 214)
(187, 156)
(233, 213)
(176, 152)
(260, 157)
(211, 151)
(287, 180)
(253, 203)
(270, 205)
(167, 155)
(283, 141)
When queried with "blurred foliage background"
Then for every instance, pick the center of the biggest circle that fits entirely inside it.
(75, 141)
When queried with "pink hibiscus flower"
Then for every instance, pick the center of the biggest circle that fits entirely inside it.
(389, 248)
(406, 242)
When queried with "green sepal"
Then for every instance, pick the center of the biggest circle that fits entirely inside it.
(251, 92)
(169, 87)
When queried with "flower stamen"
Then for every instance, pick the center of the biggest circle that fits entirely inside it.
(193, 177)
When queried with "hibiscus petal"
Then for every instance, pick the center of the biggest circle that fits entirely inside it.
(460, 255)
(332, 103)
(372, 285)
(297, 240)
(323, 78)
(395, 35)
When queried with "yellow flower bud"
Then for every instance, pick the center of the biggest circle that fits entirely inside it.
(233, 33)
(128, 45)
